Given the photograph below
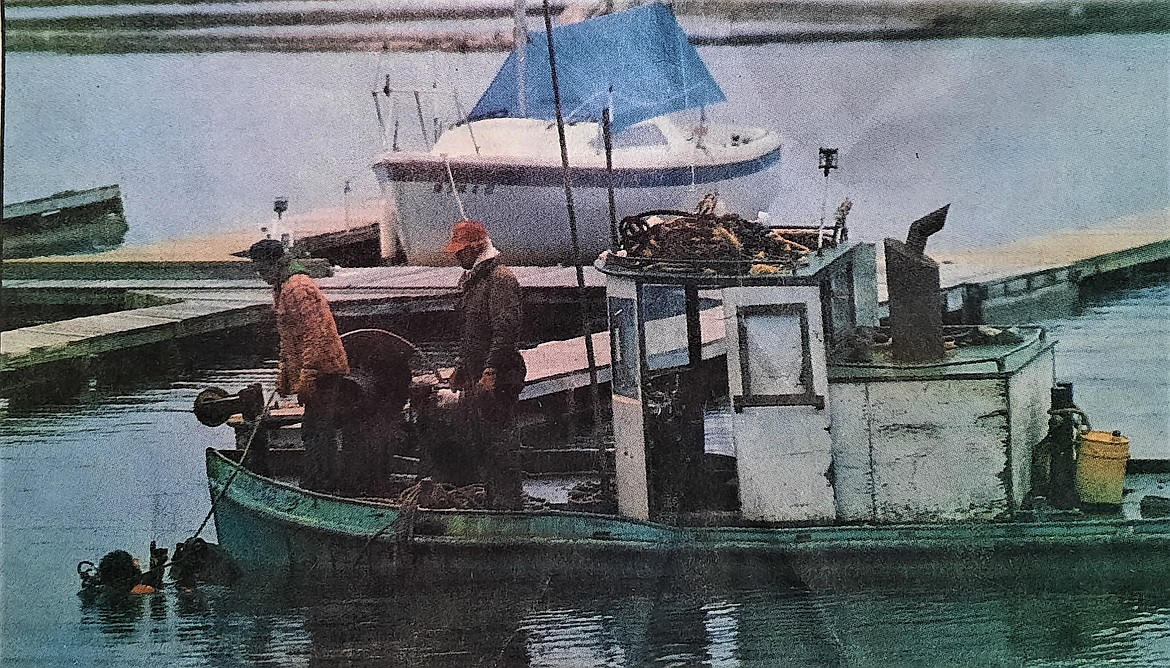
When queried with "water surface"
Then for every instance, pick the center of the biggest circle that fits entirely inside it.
(118, 469)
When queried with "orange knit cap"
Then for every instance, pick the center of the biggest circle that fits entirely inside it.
(466, 233)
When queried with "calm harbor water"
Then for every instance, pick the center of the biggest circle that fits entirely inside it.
(1023, 136)
(116, 470)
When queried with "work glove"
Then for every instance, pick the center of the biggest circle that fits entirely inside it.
(487, 382)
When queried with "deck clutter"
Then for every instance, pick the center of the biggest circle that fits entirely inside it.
(716, 243)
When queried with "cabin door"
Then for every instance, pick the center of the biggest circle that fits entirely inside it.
(777, 378)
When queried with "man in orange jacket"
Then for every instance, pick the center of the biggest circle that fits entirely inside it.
(312, 360)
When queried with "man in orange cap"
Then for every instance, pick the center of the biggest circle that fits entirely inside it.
(490, 370)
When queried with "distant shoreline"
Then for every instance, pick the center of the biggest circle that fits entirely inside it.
(741, 22)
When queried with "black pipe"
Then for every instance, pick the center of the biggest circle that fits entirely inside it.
(607, 134)
(581, 296)
(925, 226)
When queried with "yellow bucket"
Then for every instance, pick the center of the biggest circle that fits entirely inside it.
(1101, 458)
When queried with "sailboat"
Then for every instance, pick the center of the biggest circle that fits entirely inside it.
(501, 164)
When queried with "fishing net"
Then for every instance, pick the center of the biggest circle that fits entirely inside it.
(704, 241)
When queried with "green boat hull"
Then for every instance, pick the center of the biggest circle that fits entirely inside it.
(273, 529)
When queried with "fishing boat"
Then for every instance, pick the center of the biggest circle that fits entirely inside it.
(501, 162)
(857, 450)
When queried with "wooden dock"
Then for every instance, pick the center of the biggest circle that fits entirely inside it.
(344, 234)
(1040, 277)
(1010, 283)
(73, 221)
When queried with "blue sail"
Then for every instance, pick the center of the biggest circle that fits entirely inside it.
(642, 54)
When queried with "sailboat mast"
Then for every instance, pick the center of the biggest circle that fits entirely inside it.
(520, 48)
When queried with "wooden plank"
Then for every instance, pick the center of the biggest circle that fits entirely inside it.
(227, 298)
(557, 277)
(68, 199)
(222, 320)
(557, 366)
(1143, 238)
(29, 339)
(105, 324)
(355, 278)
(90, 335)
(193, 308)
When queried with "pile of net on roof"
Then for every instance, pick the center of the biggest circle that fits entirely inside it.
(721, 243)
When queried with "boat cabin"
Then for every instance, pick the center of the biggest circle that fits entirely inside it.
(814, 418)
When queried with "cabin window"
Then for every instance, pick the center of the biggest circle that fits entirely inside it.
(623, 342)
(775, 357)
(664, 326)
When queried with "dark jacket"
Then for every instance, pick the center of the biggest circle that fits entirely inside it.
(489, 305)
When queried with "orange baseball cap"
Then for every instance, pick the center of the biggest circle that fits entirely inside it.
(466, 233)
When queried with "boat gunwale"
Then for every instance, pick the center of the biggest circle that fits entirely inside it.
(370, 504)
(417, 164)
(940, 537)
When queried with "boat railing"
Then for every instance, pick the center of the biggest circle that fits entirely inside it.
(389, 119)
(1031, 335)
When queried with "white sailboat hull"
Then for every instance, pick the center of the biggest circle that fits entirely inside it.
(521, 199)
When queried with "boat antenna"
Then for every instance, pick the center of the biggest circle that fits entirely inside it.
(422, 124)
(466, 119)
(682, 66)
(385, 88)
(345, 191)
(827, 163)
(581, 298)
(434, 90)
(607, 134)
(394, 112)
(454, 190)
(381, 119)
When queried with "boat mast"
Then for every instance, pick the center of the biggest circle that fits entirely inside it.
(520, 48)
(581, 297)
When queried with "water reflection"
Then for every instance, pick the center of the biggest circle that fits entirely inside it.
(109, 472)
(676, 621)
(116, 616)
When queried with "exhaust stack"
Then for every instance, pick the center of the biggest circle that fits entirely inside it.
(913, 284)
